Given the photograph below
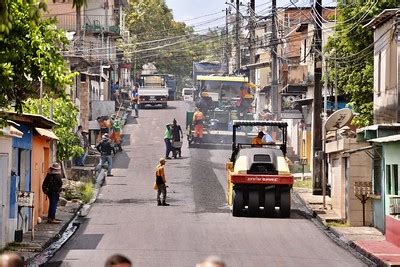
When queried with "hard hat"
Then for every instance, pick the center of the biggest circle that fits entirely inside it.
(204, 94)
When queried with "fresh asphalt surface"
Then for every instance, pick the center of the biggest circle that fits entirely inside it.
(125, 218)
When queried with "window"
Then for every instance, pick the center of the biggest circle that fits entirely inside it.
(392, 179)
(377, 181)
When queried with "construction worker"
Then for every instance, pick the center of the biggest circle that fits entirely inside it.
(160, 181)
(198, 122)
(257, 141)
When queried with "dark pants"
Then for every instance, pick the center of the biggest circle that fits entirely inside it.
(53, 199)
(168, 147)
(162, 189)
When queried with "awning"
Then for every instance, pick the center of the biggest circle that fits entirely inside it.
(47, 133)
(223, 78)
(257, 65)
(11, 131)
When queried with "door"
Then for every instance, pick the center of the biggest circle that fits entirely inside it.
(3, 196)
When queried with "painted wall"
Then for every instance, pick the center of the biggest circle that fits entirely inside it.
(392, 223)
(21, 166)
(5, 167)
(40, 165)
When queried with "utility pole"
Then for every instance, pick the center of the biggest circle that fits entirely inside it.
(227, 50)
(317, 104)
(252, 30)
(276, 109)
(237, 32)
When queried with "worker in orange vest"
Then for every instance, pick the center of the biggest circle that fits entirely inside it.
(198, 122)
(257, 141)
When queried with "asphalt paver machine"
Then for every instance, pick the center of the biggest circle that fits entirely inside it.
(258, 178)
(221, 99)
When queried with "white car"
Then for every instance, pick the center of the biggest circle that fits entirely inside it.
(187, 94)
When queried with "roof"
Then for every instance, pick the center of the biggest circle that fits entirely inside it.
(259, 123)
(379, 126)
(47, 133)
(223, 78)
(386, 139)
(33, 120)
(384, 16)
(257, 65)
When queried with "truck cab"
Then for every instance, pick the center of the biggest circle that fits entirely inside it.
(153, 91)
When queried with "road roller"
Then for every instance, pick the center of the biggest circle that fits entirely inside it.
(259, 181)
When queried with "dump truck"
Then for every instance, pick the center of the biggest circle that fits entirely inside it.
(221, 99)
(153, 90)
(258, 177)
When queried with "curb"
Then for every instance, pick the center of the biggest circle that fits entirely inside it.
(54, 238)
(338, 238)
(100, 179)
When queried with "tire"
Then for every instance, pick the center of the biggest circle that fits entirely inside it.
(285, 203)
(254, 203)
(238, 205)
(164, 105)
(269, 202)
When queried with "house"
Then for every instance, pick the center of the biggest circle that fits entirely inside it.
(7, 134)
(26, 154)
(384, 134)
(93, 49)
(295, 72)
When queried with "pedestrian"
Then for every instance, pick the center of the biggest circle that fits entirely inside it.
(11, 259)
(79, 133)
(51, 186)
(212, 261)
(85, 134)
(198, 122)
(135, 99)
(176, 136)
(257, 141)
(116, 133)
(161, 183)
(106, 149)
(118, 260)
(167, 140)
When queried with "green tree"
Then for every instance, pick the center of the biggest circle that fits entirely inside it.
(28, 51)
(352, 48)
(65, 116)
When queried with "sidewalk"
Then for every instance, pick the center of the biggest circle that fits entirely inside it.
(367, 241)
(45, 234)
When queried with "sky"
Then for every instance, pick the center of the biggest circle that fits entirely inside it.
(188, 10)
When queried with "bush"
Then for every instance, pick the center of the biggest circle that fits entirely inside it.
(86, 192)
(79, 190)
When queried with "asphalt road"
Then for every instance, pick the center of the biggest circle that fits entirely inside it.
(126, 220)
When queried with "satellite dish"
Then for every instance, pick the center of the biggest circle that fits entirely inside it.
(338, 119)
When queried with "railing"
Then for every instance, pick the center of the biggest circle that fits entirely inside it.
(394, 205)
(92, 24)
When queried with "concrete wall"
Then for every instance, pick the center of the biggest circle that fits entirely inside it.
(359, 168)
(385, 88)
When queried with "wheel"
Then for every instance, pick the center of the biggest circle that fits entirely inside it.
(237, 206)
(269, 203)
(254, 203)
(285, 203)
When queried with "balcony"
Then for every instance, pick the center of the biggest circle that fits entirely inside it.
(96, 24)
